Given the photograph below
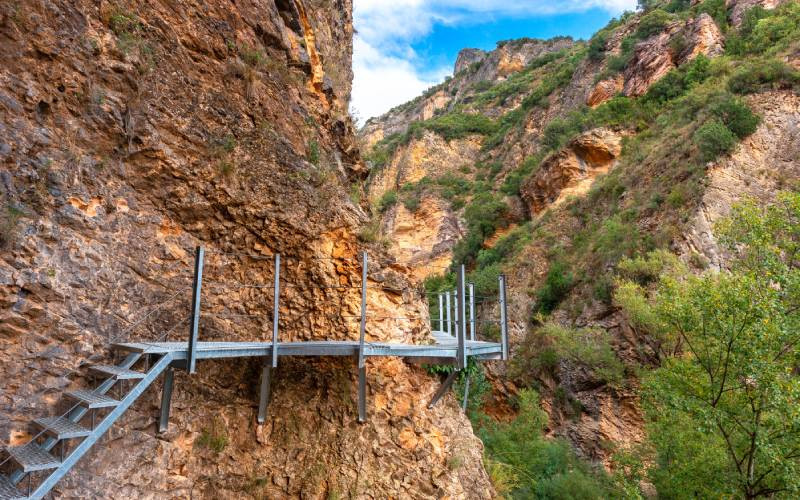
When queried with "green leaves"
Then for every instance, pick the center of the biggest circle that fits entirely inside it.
(728, 381)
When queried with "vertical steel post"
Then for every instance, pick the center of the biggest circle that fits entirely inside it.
(472, 311)
(441, 313)
(456, 303)
(166, 399)
(275, 311)
(362, 368)
(195, 319)
(447, 311)
(363, 329)
(503, 318)
(462, 320)
(263, 399)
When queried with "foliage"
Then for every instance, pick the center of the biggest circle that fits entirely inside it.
(557, 284)
(9, 220)
(458, 125)
(214, 438)
(313, 152)
(484, 215)
(766, 32)
(536, 467)
(723, 405)
(584, 346)
(736, 116)
(713, 139)
(513, 181)
(653, 23)
(760, 74)
(387, 201)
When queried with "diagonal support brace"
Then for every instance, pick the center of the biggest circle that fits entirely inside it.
(448, 382)
(166, 399)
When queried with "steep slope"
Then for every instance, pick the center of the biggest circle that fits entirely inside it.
(591, 153)
(130, 132)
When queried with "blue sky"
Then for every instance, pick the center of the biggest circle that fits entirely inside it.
(403, 47)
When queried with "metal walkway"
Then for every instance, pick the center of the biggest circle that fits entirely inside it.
(32, 469)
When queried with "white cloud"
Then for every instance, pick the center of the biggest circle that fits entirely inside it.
(388, 71)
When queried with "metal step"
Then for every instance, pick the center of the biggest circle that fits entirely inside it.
(91, 399)
(32, 457)
(116, 372)
(62, 428)
(8, 491)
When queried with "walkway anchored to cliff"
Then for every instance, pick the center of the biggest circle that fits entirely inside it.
(32, 469)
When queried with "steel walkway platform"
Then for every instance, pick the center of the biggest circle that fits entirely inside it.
(64, 438)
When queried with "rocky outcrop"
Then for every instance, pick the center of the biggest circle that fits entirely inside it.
(762, 165)
(468, 57)
(655, 57)
(129, 134)
(572, 170)
(605, 90)
(492, 66)
(737, 8)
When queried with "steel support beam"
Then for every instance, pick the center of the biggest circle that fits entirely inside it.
(362, 394)
(441, 312)
(466, 392)
(461, 319)
(363, 326)
(472, 311)
(503, 318)
(263, 400)
(194, 323)
(442, 390)
(166, 399)
(447, 311)
(275, 310)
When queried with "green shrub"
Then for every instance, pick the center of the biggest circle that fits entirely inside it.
(646, 269)
(387, 200)
(313, 152)
(717, 9)
(597, 46)
(9, 221)
(653, 23)
(557, 284)
(735, 114)
(513, 181)
(484, 215)
(714, 139)
(458, 125)
(759, 74)
(537, 467)
(585, 346)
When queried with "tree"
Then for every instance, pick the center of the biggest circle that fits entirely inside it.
(725, 406)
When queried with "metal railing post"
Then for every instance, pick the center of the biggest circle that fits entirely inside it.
(362, 368)
(503, 318)
(461, 319)
(456, 302)
(447, 312)
(472, 311)
(195, 318)
(441, 313)
(275, 310)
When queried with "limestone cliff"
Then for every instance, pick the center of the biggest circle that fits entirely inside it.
(130, 132)
(594, 156)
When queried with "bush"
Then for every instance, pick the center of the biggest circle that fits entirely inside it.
(538, 467)
(597, 46)
(736, 116)
(653, 23)
(459, 125)
(584, 346)
(484, 215)
(387, 201)
(760, 74)
(557, 284)
(714, 139)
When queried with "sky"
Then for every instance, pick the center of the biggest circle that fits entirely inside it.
(402, 47)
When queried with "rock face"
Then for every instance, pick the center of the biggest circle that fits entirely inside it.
(472, 66)
(737, 8)
(655, 57)
(762, 165)
(128, 136)
(605, 90)
(572, 170)
(468, 57)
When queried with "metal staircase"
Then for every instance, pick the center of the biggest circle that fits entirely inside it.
(35, 467)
